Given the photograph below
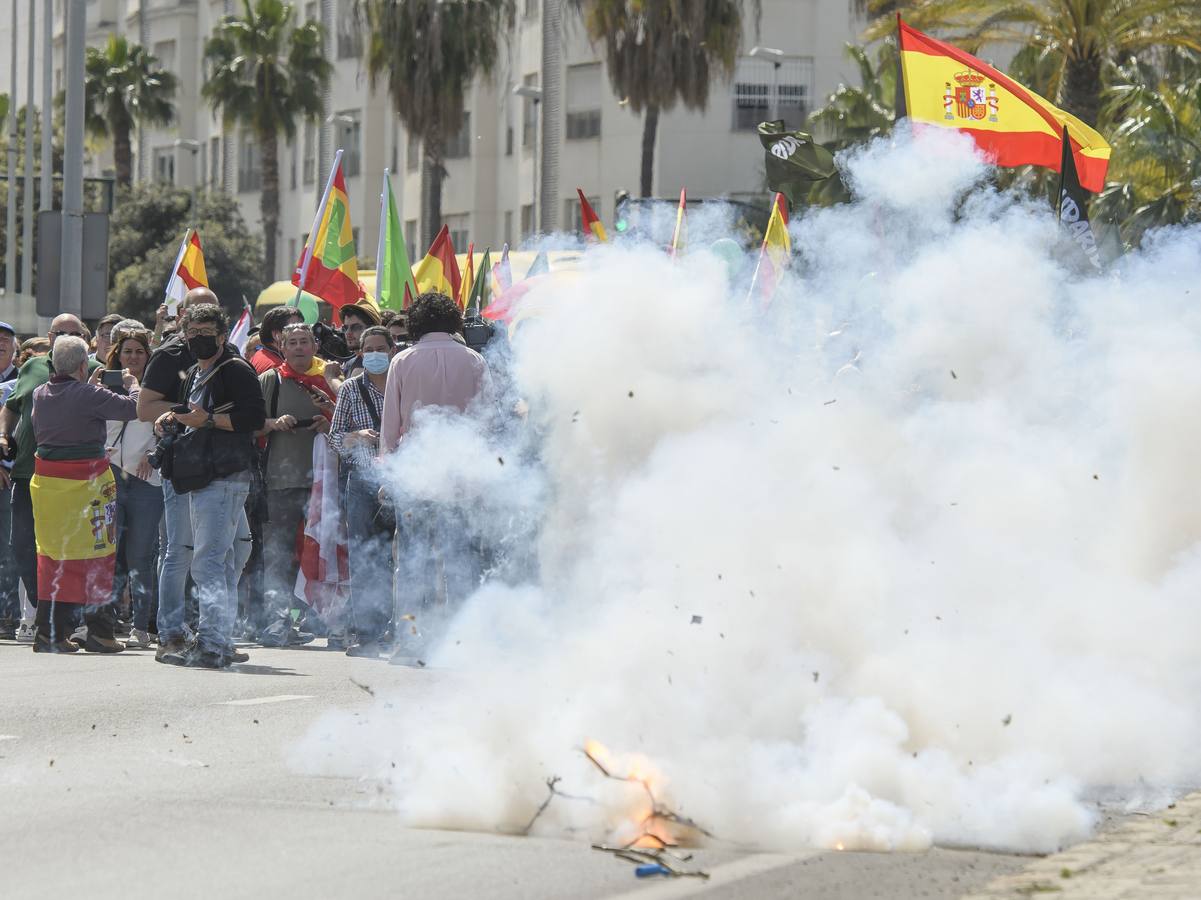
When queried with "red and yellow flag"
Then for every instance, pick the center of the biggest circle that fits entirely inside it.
(592, 222)
(328, 267)
(680, 236)
(468, 276)
(1013, 126)
(439, 270)
(189, 271)
(773, 257)
(74, 505)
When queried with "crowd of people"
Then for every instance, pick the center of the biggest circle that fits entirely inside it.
(156, 482)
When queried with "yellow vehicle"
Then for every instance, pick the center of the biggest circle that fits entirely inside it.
(520, 261)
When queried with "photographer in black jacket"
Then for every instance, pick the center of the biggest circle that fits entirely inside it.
(211, 463)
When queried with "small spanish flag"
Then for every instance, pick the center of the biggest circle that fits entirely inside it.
(592, 222)
(328, 267)
(468, 277)
(680, 236)
(773, 257)
(945, 87)
(439, 270)
(189, 271)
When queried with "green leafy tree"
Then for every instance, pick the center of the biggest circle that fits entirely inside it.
(663, 52)
(267, 74)
(1083, 38)
(427, 53)
(124, 87)
(144, 234)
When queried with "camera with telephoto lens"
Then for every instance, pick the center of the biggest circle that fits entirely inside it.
(171, 432)
(331, 343)
(477, 331)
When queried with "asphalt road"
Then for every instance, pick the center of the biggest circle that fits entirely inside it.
(123, 778)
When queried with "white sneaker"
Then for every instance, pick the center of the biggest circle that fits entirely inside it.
(25, 633)
(139, 640)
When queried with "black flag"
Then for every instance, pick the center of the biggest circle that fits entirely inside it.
(794, 161)
(1072, 206)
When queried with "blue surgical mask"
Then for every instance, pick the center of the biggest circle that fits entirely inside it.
(376, 362)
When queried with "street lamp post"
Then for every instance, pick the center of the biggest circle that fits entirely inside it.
(534, 95)
(194, 147)
(774, 56)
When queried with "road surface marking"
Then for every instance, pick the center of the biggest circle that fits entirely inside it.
(277, 698)
(10, 737)
(722, 876)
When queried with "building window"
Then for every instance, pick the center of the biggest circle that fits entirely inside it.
(571, 214)
(164, 164)
(583, 101)
(214, 163)
(250, 164)
(529, 115)
(164, 52)
(412, 152)
(508, 140)
(411, 238)
(310, 11)
(350, 37)
(531, 9)
(459, 146)
(292, 249)
(310, 153)
(527, 221)
(349, 138)
(753, 80)
(508, 236)
(458, 227)
(395, 148)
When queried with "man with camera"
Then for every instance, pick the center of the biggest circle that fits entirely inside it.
(210, 465)
(300, 404)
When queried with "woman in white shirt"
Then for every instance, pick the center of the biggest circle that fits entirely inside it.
(139, 494)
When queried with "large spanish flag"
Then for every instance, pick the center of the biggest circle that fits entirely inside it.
(1013, 126)
(328, 267)
(774, 255)
(439, 270)
(74, 514)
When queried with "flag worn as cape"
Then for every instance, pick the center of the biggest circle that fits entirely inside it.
(328, 267)
(75, 529)
(1073, 207)
(592, 222)
(323, 581)
(680, 236)
(439, 270)
(773, 257)
(189, 271)
(393, 271)
(468, 278)
(794, 162)
(947, 88)
(240, 333)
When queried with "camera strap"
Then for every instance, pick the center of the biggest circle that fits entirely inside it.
(370, 402)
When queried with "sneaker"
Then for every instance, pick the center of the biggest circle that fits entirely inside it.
(139, 640)
(207, 659)
(25, 633)
(8, 632)
(237, 656)
(369, 650)
(123, 629)
(293, 638)
(45, 645)
(337, 640)
(171, 647)
(94, 644)
(79, 635)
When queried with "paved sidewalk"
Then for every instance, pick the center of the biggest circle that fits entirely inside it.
(1145, 857)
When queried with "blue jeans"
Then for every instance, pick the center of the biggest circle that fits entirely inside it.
(218, 515)
(177, 558)
(370, 552)
(10, 597)
(139, 509)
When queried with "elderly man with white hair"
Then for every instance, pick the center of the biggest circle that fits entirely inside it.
(74, 500)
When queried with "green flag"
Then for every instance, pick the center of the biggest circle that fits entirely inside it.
(794, 161)
(393, 273)
(481, 291)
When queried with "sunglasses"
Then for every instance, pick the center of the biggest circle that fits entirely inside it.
(77, 334)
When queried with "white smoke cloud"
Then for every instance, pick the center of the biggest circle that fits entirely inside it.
(935, 510)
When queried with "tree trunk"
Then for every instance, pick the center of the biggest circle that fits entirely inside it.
(1080, 93)
(122, 155)
(269, 203)
(433, 173)
(650, 130)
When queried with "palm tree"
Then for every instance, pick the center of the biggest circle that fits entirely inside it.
(1155, 176)
(428, 53)
(124, 87)
(660, 52)
(1086, 37)
(267, 74)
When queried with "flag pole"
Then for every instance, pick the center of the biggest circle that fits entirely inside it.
(384, 197)
(900, 107)
(1063, 168)
(309, 244)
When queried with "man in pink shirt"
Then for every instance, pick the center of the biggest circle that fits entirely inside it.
(437, 563)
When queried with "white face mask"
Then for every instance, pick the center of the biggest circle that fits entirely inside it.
(376, 362)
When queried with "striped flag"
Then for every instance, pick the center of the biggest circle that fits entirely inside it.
(323, 580)
(468, 278)
(188, 273)
(439, 270)
(240, 333)
(773, 257)
(592, 222)
(680, 237)
(328, 267)
(481, 291)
